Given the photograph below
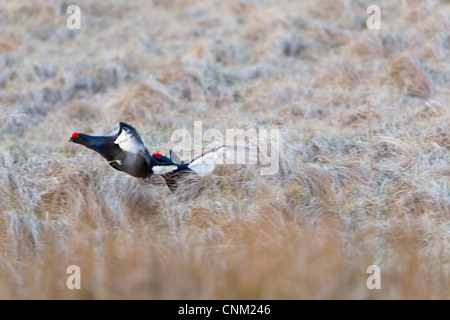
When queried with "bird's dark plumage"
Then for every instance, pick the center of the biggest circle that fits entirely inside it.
(125, 151)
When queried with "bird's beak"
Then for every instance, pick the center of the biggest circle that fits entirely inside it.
(70, 140)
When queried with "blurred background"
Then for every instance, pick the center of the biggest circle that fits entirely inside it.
(363, 116)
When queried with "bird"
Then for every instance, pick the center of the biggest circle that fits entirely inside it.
(126, 151)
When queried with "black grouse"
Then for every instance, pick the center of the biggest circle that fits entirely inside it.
(126, 151)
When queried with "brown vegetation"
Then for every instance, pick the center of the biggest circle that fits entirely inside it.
(356, 187)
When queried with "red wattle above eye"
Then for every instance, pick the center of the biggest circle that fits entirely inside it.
(75, 135)
(156, 155)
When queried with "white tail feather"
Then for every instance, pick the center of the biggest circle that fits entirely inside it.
(163, 169)
(206, 163)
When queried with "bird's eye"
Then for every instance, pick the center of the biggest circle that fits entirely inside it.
(74, 135)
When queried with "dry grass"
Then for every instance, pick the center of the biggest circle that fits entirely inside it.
(407, 74)
(356, 186)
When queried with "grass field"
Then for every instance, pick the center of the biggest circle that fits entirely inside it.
(364, 175)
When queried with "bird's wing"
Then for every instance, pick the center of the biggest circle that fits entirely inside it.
(164, 168)
(129, 140)
(206, 163)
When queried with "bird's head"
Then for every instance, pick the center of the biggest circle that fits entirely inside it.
(76, 138)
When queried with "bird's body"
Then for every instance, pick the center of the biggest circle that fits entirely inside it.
(124, 151)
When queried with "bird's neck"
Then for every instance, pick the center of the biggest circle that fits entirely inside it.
(101, 144)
